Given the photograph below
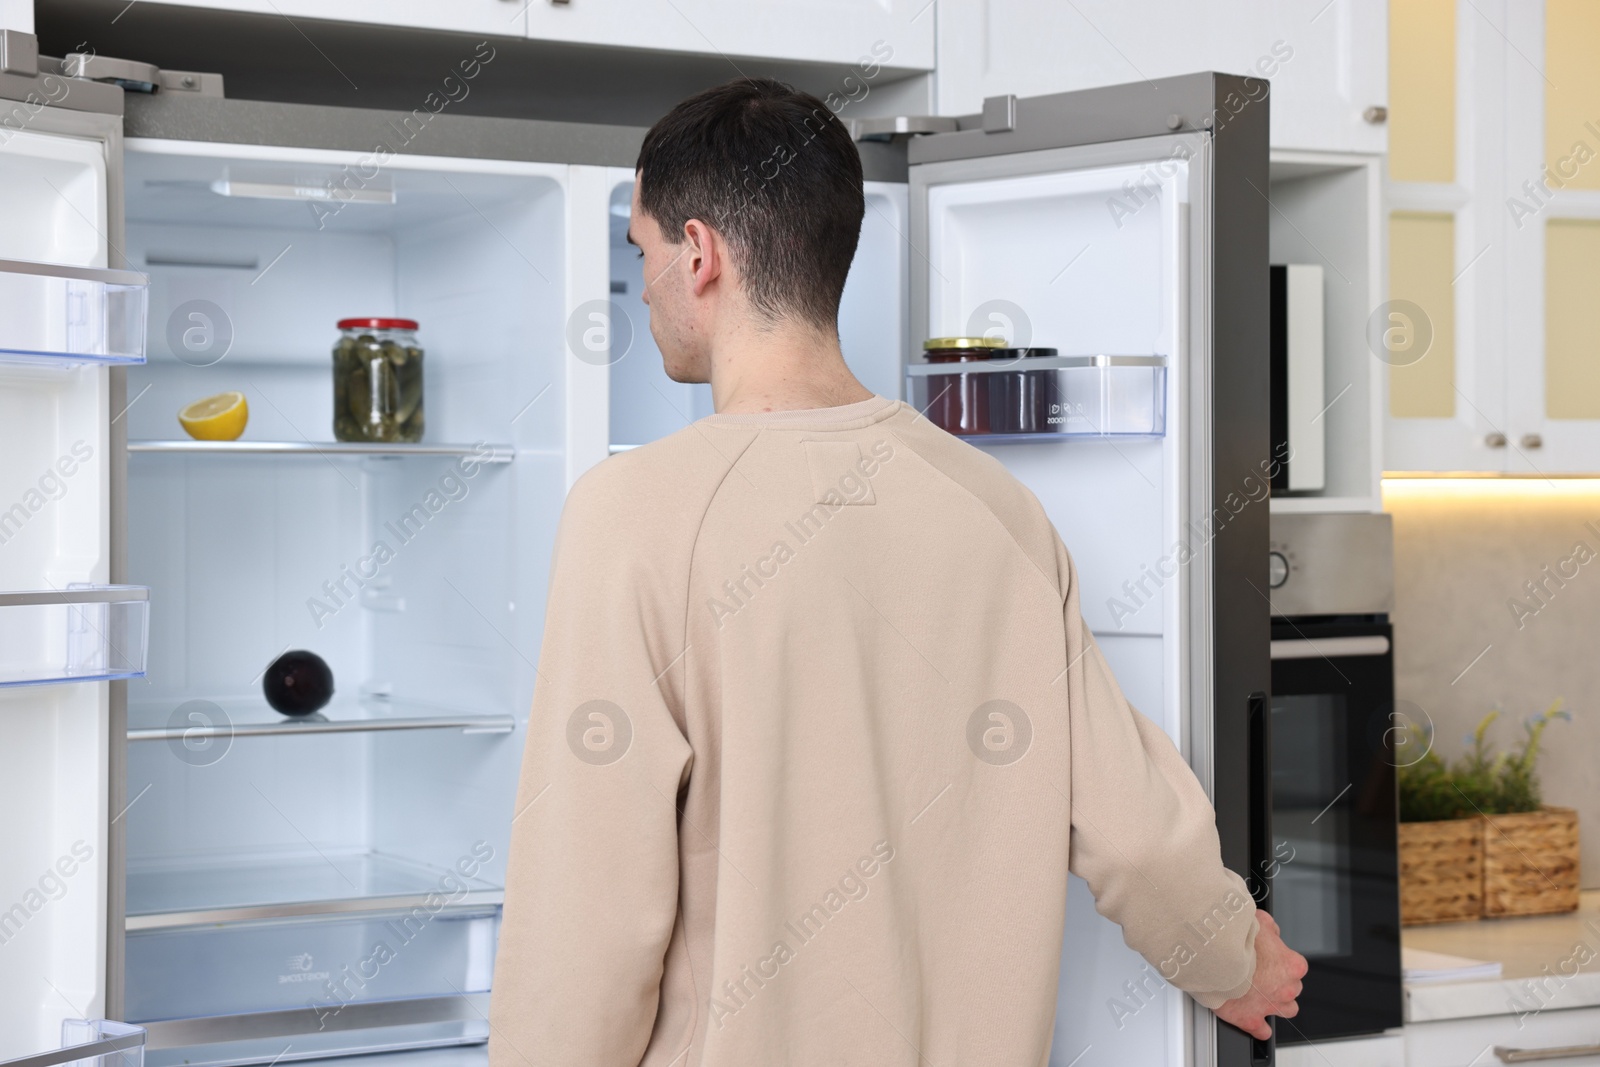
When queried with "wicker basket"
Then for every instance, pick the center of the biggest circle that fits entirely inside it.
(1441, 871)
(1530, 863)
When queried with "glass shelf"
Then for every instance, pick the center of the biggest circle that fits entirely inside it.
(1043, 398)
(232, 718)
(252, 970)
(67, 316)
(91, 1043)
(326, 449)
(83, 633)
(200, 892)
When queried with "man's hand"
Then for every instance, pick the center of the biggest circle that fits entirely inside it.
(1274, 988)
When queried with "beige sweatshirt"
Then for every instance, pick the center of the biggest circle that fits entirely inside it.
(817, 735)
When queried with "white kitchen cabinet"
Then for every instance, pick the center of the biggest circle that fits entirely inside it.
(1493, 204)
(1384, 1050)
(503, 18)
(1471, 1041)
(1326, 59)
(895, 33)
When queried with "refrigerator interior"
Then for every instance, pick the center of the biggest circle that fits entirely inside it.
(1051, 251)
(267, 858)
(54, 531)
(646, 405)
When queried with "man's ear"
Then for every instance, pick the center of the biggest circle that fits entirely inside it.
(706, 254)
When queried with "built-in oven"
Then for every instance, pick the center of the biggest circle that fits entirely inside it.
(1333, 880)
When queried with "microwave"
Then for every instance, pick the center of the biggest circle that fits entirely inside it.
(1297, 379)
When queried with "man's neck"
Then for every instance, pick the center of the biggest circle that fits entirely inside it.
(781, 368)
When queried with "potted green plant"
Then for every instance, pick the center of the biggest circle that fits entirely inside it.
(1476, 838)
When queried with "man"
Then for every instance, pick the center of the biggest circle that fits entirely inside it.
(819, 730)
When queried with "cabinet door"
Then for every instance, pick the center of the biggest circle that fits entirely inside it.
(505, 18)
(1325, 60)
(1551, 212)
(1443, 329)
(896, 33)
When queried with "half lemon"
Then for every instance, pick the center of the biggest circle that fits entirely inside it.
(216, 418)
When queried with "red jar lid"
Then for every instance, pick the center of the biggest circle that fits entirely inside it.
(377, 324)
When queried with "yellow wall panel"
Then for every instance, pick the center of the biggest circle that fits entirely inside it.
(1422, 90)
(1572, 93)
(1572, 319)
(1422, 270)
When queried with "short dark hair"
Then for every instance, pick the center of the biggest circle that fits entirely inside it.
(772, 170)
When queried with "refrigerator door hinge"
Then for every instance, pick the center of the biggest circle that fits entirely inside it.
(999, 113)
(898, 127)
(19, 53)
(136, 77)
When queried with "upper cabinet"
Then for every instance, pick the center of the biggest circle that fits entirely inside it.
(1324, 58)
(1493, 314)
(896, 33)
(883, 33)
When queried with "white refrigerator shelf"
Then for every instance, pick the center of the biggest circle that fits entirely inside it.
(249, 969)
(325, 449)
(90, 1043)
(83, 633)
(232, 718)
(246, 888)
(64, 316)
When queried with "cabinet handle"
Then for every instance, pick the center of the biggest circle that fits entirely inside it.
(1532, 440)
(1495, 440)
(1529, 1055)
(1376, 115)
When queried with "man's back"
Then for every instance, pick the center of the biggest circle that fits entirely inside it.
(816, 728)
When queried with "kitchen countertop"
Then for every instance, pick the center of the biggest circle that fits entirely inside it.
(1547, 962)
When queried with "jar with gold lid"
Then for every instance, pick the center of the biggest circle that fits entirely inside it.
(959, 403)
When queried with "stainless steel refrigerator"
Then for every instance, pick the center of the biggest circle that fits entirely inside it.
(242, 868)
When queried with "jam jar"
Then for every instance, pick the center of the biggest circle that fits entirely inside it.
(377, 381)
(959, 403)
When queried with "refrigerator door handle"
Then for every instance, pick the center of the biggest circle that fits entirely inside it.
(1262, 1053)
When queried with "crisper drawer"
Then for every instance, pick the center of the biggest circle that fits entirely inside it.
(323, 963)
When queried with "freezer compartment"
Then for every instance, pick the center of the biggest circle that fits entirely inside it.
(90, 1043)
(67, 316)
(1044, 398)
(319, 967)
(83, 633)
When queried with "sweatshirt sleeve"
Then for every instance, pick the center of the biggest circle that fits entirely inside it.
(592, 876)
(1144, 834)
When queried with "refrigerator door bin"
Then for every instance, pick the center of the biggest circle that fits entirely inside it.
(77, 634)
(90, 1043)
(1054, 398)
(318, 968)
(66, 316)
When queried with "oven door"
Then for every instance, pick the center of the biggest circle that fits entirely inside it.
(1335, 887)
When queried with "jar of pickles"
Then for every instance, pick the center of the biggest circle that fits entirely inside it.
(377, 381)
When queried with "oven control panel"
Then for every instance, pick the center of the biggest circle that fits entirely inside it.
(1336, 563)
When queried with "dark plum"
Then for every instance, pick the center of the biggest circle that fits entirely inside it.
(298, 683)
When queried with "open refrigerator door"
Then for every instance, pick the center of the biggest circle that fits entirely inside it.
(71, 630)
(1090, 269)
